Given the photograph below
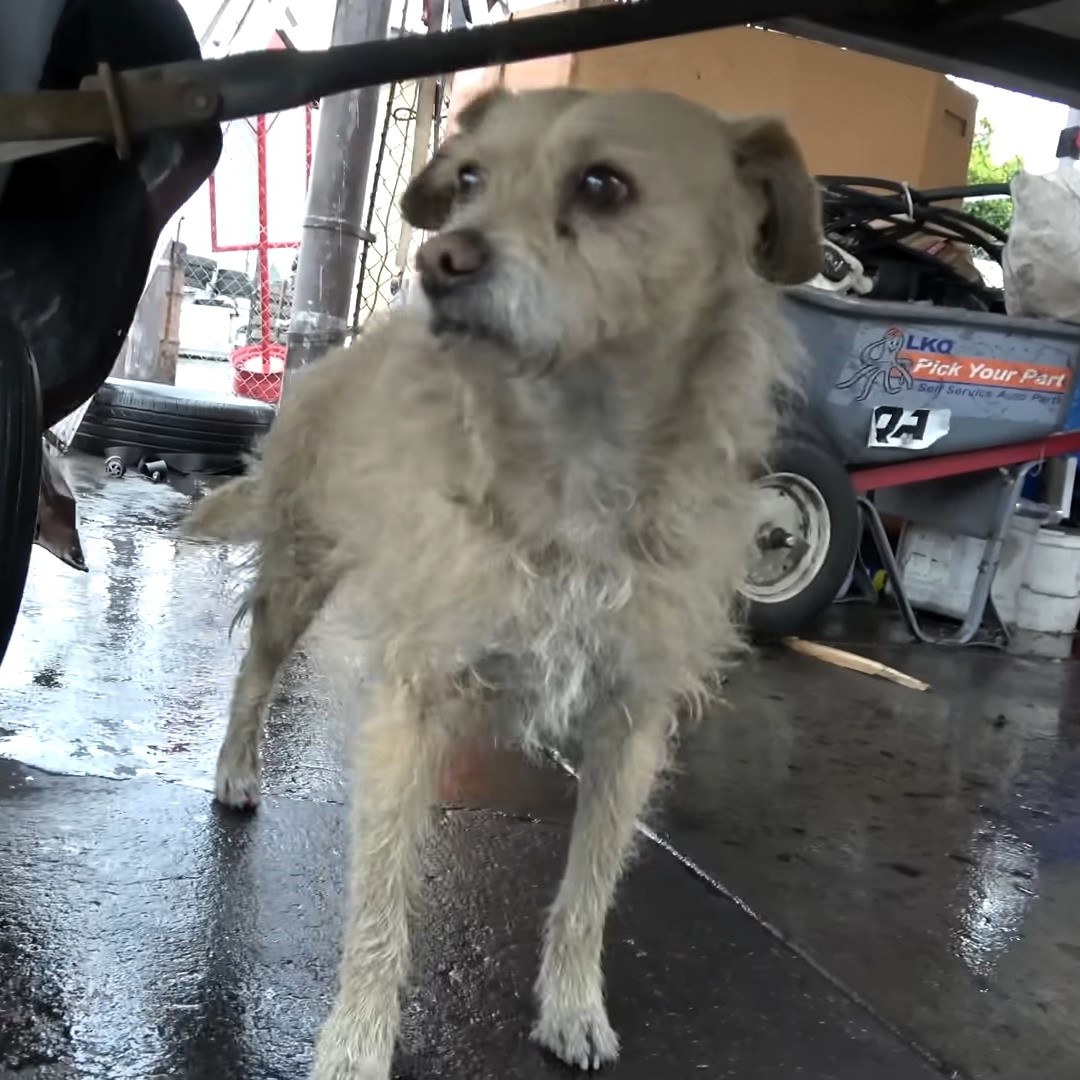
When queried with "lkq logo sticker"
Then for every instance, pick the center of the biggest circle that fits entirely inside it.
(881, 365)
(900, 360)
(922, 343)
(895, 428)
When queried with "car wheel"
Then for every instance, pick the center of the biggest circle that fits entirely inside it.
(806, 539)
(20, 470)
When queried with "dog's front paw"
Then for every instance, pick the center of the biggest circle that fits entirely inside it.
(584, 1039)
(237, 784)
(339, 1057)
(352, 1069)
(349, 1069)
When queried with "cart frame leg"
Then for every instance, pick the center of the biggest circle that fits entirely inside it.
(981, 610)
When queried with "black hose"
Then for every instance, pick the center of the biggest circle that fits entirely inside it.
(875, 220)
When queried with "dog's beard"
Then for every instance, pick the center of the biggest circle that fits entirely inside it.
(472, 317)
(449, 324)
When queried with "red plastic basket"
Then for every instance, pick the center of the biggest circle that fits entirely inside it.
(257, 373)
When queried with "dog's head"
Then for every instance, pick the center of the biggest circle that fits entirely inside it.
(567, 220)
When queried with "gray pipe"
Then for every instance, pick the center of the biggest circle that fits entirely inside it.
(335, 209)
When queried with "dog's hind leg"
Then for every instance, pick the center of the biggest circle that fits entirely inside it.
(622, 756)
(400, 749)
(281, 610)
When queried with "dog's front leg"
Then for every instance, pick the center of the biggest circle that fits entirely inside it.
(397, 769)
(622, 756)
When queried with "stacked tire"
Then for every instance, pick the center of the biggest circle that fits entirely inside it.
(187, 429)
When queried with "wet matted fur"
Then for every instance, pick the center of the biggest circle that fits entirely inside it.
(529, 499)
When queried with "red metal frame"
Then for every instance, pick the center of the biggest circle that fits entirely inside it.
(265, 322)
(270, 245)
(875, 477)
(308, 142)
(264, 245)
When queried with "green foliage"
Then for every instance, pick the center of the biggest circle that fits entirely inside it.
(984, 170)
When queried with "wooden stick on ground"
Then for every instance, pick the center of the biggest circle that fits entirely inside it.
(840, 658)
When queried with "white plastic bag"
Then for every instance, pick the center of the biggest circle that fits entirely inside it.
(1041, 261)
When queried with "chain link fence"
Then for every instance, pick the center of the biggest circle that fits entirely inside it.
(381, 259)
(411, 110)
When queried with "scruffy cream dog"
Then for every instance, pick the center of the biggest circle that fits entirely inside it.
(529, 499)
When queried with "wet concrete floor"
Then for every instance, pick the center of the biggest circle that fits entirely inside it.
(851, 881)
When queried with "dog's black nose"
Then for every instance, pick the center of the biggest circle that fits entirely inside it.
(452, 259)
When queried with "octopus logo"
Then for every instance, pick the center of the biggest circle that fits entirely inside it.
(881, 363)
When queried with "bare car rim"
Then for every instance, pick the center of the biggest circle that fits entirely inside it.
(792, 539)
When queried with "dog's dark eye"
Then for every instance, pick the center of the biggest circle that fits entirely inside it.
(602, 188)
(470, 180)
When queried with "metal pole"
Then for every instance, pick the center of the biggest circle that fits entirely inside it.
(332, 227)
(1066, 163)
(211, 26)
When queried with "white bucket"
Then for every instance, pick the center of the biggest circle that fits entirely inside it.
(1048, 600)
(939, 568)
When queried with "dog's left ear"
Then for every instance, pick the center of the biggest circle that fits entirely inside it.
(429, 198)
(771, 164)
(427, 201)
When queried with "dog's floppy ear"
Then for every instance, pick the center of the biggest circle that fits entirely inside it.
(428, 199)
(769, 162)
(472, 115)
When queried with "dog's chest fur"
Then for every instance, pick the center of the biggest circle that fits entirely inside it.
(561, 653)
(568, 657)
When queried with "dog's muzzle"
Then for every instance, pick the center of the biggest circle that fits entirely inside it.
(474, 292)
(453, 262)
(456, 270)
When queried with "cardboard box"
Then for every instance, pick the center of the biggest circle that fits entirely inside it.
(853, 114)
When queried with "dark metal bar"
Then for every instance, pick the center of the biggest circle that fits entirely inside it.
(1011, 55)
(253, 83)
(963, 14)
